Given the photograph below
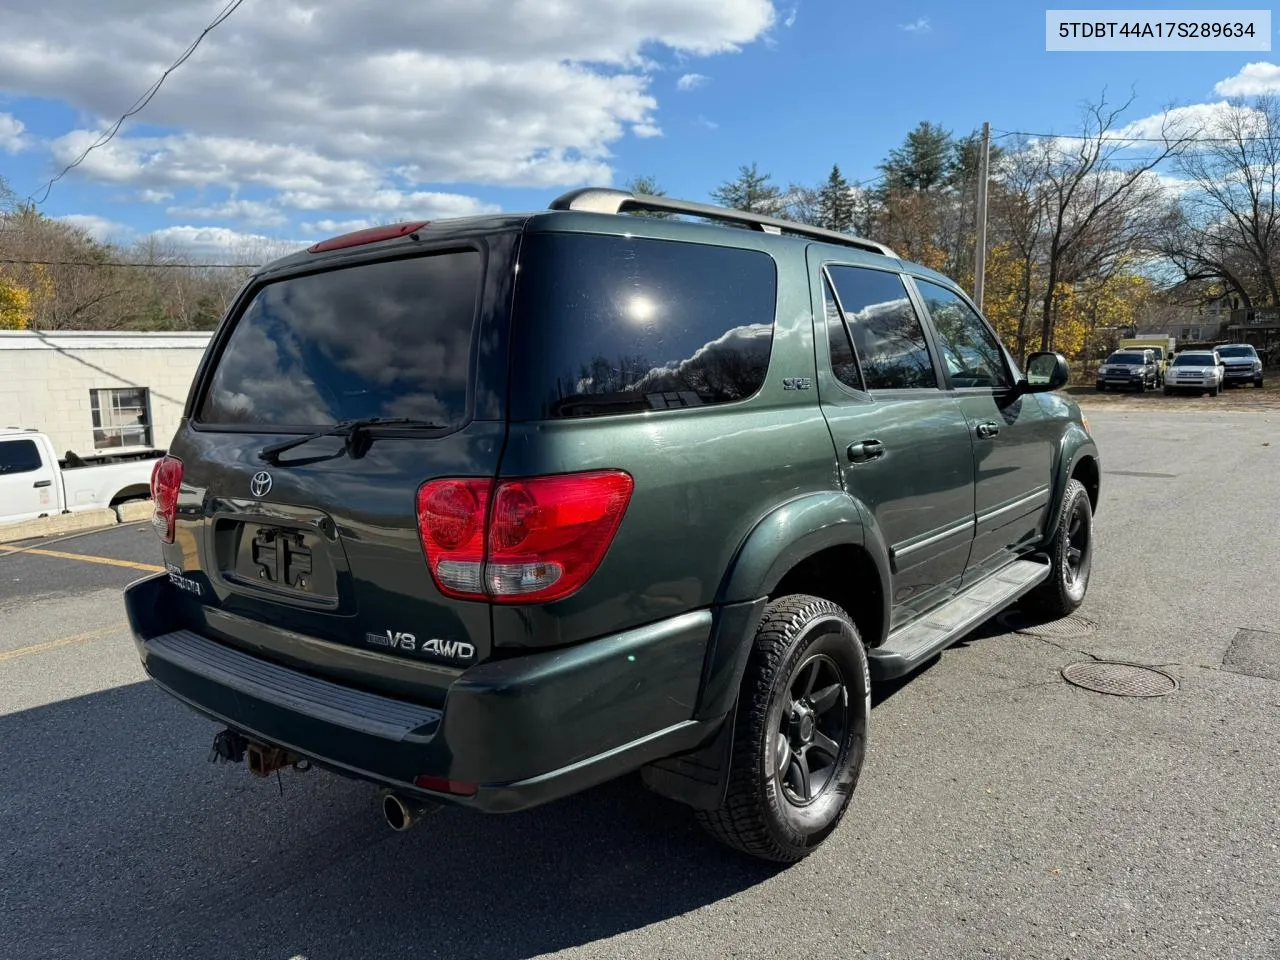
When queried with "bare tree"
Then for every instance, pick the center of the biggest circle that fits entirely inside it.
(1095, 209)
(1225, 230)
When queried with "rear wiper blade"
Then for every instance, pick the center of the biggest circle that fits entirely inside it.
(351, 430)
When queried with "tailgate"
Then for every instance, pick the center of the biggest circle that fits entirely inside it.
(313, 557)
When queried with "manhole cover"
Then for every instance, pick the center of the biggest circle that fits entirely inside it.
(1068, 628)
(1119, 679)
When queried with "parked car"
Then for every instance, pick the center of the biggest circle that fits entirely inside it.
(1161, 346)
(1243, 365)
(1200, 371)
(730, 482)
(1129, 370)
(34, 483)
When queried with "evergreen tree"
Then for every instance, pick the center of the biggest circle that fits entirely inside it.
(835, 202)
(751, 191)
(923, 162)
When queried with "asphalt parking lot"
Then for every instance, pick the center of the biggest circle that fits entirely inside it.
(1001, 812)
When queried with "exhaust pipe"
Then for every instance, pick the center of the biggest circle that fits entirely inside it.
(401, 813)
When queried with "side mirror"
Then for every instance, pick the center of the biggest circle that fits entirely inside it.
(1045, 372)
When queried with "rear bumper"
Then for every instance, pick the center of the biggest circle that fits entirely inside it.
(520, 731)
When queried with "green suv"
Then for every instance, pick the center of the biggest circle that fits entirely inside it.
(492, 510)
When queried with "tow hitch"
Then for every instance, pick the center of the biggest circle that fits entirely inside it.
(232, 747)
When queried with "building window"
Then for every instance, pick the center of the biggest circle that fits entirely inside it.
(1195, 333)
(121, 418)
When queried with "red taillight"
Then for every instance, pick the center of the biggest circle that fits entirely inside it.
(368, 235)
(542, 539)
(166, 479)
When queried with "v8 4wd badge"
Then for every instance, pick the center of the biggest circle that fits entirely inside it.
(397, 640)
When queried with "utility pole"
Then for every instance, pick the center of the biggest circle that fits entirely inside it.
(980, 245)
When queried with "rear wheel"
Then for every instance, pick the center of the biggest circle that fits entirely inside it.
(1071, 556)
(800, 735)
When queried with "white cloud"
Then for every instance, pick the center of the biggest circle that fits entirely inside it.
(646, 130)
(707, 124)
(918, 25)
(324, 99)
(252, 212)
(1196, 119)
(12, 138)
(226, 244)
(791, 16)
(336, 227)
(155, 196)
(1254, 79)
(691, 81)
(99, 228)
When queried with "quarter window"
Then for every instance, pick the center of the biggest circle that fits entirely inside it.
(887, 336)
(970, 351)
(843, 363)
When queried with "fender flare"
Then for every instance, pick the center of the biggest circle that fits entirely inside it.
(787, 535)
(1075, 445)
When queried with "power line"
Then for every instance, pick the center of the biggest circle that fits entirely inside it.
(142, 101)
(125, 263)
(1002, 134)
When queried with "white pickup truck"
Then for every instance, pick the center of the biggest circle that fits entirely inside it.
(35, 483)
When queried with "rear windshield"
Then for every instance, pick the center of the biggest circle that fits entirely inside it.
(607, 325)
(387, 339)
(1125, 358)
(1193, 360)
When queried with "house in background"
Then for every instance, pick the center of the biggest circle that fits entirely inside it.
(98, 393)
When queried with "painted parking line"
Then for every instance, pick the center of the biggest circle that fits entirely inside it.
(61, 642)
(86, 557)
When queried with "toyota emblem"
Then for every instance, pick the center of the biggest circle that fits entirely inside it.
(260, 485)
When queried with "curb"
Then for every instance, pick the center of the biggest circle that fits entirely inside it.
(59, 524)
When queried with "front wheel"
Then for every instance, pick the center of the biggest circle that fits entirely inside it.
(1258, 384)
(1071, 558)
(800, 735)
(1168, 392)
(1213, 391)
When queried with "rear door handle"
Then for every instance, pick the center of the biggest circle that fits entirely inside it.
(987, 430)
(865, 450)
(43, 483)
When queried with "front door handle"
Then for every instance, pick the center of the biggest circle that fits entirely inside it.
(987, 430)
(865, 450)
(43, 483)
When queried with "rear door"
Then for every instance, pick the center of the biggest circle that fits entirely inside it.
(1013, 439)
(26, 480)
(315, 559)
(902, 441)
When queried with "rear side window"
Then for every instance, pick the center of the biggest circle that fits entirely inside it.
(387, 339)
(606, 325)
(887, 335)
(19, 456)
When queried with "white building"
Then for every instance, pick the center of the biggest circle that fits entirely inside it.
(98, 393)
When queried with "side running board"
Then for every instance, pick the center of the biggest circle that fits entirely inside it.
(912, 644)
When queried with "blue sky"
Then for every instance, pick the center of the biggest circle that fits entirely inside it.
(294, 121)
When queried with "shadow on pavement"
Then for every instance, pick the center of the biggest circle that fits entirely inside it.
(120, 840)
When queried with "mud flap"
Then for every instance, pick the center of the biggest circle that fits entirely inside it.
(699, 778)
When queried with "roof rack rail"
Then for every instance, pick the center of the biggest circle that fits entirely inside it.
(606, 200)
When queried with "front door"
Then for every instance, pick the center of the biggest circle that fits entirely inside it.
(1013, 446)
(902, 441)
(26, 480)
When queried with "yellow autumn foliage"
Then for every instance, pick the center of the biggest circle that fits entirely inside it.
(15, 306)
